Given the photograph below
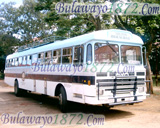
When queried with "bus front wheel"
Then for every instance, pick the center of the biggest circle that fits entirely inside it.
(63, 100)
(17, 90)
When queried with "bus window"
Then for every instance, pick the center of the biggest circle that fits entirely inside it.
(9, 63)
(16, 62)
(105, 53)
(57, 56)
(131, 54)
(41, 58)
(34, 59)
(29, 60)
(12, 62)
(24, 61)
(67, 56)
(78, 54)
(48, 56)
(20, 61)
(89, 54)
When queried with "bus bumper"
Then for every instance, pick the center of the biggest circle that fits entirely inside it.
(120, 100)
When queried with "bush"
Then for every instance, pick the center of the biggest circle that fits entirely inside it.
(1, 75)
(2, 67)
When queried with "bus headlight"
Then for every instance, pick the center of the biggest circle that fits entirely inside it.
(141, 89)
(100, 92)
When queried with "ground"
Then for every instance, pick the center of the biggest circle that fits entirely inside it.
(145, 114)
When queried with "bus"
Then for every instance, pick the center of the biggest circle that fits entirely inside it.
(104, 67)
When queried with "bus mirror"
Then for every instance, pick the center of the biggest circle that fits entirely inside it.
(144, 57)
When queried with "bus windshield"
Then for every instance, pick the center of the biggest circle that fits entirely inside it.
(131, 54)
(106, 53)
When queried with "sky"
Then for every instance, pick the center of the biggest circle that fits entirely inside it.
(18, 2)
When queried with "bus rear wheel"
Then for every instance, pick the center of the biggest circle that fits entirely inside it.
(63, 100)
(17, 90)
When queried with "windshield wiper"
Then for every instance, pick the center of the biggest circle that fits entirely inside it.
(112, 48)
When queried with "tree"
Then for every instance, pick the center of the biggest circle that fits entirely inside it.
(154, 60)
(23, 21)
(8, 44)
(1, 51)
(69, 24)
(8, 16)
(30, 23)
(2, 67)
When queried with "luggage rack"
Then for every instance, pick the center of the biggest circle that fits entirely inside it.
(41, 42)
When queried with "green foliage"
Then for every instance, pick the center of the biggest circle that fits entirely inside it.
(154, 59)
(2, 67)
(30, 23)
(72, 25)
(1, 51)
(23, 21)
(8, 17)
(8, 44)
(145, 26)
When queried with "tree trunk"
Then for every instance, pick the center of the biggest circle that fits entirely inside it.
(156, 66)
(149, 77)
(95, 21)
(98, 22)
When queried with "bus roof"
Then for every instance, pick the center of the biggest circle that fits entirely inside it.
(121, 36)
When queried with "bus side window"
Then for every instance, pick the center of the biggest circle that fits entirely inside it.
(13, 64)
(34, 59)
(78, 55)
(67, 56)
(10, 63)
(41, 58)
(16, 62)
(24, 61)
(57, 56)
(89, 54)
(48, 56)
(29, 60)
(20, 61)
(7, 63)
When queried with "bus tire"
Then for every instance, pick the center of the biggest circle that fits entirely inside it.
(62, 100)
(17, 90)
(106, 107)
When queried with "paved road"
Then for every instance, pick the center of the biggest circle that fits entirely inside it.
(146, 114)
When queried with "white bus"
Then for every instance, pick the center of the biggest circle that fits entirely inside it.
(100, 68)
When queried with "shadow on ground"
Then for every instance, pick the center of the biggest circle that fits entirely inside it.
(52, 103)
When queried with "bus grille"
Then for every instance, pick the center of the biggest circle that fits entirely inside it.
(121, 85)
